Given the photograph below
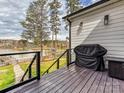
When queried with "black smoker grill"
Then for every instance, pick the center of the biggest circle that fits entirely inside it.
(90, 56)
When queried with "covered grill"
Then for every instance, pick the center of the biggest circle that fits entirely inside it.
(90, 56)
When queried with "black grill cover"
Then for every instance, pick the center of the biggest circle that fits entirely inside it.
(90, 56)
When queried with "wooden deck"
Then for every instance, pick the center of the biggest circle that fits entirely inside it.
(74, 80)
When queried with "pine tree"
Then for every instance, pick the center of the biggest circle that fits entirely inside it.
(72, 6)
(35, 23)
(54, 20)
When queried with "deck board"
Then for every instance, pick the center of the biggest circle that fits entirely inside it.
(66, 78)
(65, 82)
(121, 86)
(77, 82)
(74, 80)
(109, 87)
(102, 84)
(95, 84)
(116, 86)
(82, 84)
(71, 82)
(88, 85)
(48, 81)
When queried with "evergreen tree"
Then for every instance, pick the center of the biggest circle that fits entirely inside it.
(72, 6)
(35, 23)
(54, 20)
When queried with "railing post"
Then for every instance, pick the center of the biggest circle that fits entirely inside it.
(22, 80)
(47, 71)
(58, 64)
(67, 58)
(30, 72)
(38, 65)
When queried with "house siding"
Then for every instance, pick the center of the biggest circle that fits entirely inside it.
(94, 31)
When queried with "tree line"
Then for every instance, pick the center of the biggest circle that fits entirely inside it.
(43, 20)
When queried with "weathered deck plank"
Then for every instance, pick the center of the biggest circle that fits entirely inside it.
(71, 82)
(108, 87)
(82, 84)
(60, 81)
(49, 81)
(59, 86)
(74, 80)
(87, 86)
(116, 86)
(44, 81)
(96, 83)
(121, 86)
(77, 82)
(102, 84)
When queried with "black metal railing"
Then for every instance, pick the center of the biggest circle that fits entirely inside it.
(67, 52)
(28, 70)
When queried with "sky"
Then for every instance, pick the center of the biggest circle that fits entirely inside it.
(14, 11)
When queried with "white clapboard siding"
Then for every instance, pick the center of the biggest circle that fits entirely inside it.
(110, 9)
(111, 21)
(112, 18)
(95, 32)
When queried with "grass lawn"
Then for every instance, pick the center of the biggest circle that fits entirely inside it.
(44, 66)
(6, 76)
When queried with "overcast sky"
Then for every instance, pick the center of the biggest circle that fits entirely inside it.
(13, 11)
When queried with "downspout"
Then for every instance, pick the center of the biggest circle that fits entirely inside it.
(69, 40)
